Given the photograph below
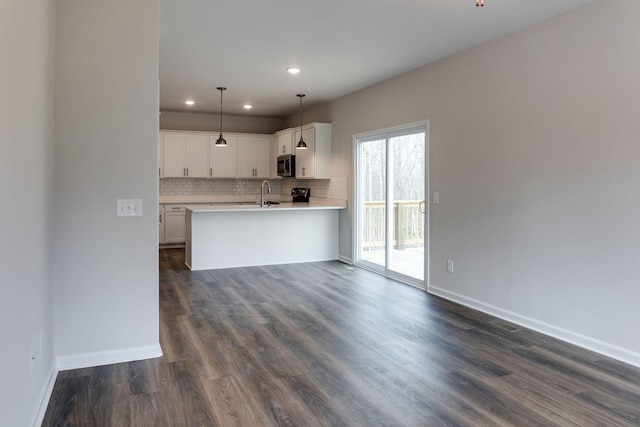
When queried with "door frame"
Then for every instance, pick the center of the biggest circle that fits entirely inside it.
(356, 230)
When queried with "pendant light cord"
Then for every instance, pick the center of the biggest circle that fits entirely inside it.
(301, 143)
(221, 142)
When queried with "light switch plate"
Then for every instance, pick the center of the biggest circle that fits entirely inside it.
(449, 266)
(436, 198)
(129, 207)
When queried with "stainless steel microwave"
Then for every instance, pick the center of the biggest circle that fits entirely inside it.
(287, 165)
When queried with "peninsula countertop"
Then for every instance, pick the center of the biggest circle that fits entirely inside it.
(240, 235)
(314, 204)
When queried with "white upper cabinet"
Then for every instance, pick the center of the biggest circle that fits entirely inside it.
(284, 142)
(175, 155)
(192, 154)
(305, 162)
(254, 156)
(315, 160)
(185, 155)
(223, 161)
(197, 156)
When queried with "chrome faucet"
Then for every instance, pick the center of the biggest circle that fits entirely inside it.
(262, 204)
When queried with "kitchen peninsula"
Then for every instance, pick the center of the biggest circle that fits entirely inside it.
(236, 235)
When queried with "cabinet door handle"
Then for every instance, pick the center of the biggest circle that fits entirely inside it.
(210, 171)
(304, 171)
(160, 218)
(283, 150)
(187, 172)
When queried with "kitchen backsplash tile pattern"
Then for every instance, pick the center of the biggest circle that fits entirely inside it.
(334, 188)
(207, 187)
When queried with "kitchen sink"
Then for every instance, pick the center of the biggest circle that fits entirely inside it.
(254, 205)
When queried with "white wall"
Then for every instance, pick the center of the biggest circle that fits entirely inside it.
(177, 120)
(534, 151)
(26, 147)
(105, 268)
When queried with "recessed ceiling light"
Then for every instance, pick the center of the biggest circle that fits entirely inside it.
(247, 106)
(293, 70)
(189, 102)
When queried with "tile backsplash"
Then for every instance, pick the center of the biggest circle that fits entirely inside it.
(334, 188)
(207, 187)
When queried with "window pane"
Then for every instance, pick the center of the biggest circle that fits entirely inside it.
(373, 160)
(407, 172)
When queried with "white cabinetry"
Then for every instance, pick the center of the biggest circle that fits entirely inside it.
(161, 223)
(223, 161)
(195, 155)
(284, 142)
(175, 224)
(185, 155)
(160, 156)
(315, 160)
(254, 156)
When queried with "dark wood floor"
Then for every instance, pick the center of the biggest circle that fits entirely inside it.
(326, 344)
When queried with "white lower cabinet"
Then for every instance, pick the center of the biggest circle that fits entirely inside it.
(161, 224)
(175, 224)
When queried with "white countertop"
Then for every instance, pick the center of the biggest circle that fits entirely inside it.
(185, 200)
(314, 204)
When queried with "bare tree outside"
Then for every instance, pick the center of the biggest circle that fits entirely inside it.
(408, 167)
(373, 162)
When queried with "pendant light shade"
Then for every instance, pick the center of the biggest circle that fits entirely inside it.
(301, 144)
(221, 142)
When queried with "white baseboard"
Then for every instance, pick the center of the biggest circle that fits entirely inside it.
(87, 360)
(44, 397)
(345, 259)
(601, 347)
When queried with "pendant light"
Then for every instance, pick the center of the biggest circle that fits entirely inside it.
(301, 144)
(479, 3)
(221, 142)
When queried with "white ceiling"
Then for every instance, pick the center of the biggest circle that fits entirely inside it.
(340, 45)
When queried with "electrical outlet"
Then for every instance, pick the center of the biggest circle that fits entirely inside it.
(450, 266)
(129, 207)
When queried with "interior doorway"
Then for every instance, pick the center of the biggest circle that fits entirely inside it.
(391, 209)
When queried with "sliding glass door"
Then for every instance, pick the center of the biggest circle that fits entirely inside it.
(391, 208)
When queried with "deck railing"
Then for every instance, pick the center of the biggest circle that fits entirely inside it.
(408, 225)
